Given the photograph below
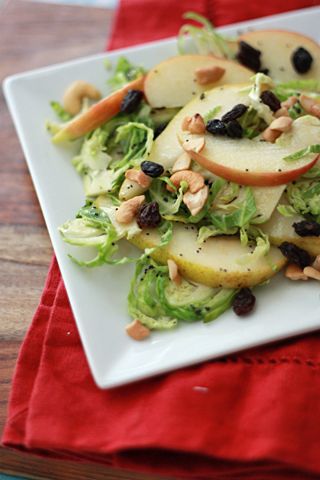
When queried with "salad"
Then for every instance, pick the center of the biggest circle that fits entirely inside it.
(208, 163)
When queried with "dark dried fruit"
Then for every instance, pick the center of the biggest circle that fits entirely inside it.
(148, 215)
(243, 302)
(131, 101)
(295, 255)
(264, 70)
(301, 60)
(159, 129)
(234, 129)
(307, 228)
(216, 127)
(271, 100)
(236, 112)
(152, 169)
(249, 56)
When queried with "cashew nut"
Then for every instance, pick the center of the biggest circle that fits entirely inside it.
(209, 74)
(270, 135)
(194, 180)
(75, 93)
(315, 110)
(194, 143)
(282, 112)
(289, 102)
(278, 126)
(196, 201)
(306, 102)
(138, 176)
(312, 273)
(137, 330)
(294, 272)
(281, 124)
(183, 162)
(194, 124)
(174, 272)
(129, 208)
(316, 263)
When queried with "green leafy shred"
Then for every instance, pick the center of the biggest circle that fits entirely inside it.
(61, 113)
(296, 111)
(211, 113)
(243, 211)
(205, 38)
(313, 173)
(308, 85)
(169, 203)
(159, 304)
(251, 235)
(302, 153)
(94, 227)
(252, 123)
(304, 197)
(286, 210)
(124, 72)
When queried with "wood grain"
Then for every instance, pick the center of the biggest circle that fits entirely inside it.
(33, 35)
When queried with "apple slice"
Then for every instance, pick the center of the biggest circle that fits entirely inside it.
(256, 162)
(173, 82)
(215, 263)
(167, 148)
(279, 229)
(277, 48)
(96, 115)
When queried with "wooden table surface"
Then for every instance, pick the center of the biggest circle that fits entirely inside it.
(33, 35)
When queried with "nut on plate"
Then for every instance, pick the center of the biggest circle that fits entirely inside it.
(137, 330)
(194, 180)
(128, 209)
(76, 92)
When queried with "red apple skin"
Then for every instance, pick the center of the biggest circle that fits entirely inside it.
(98, 114)
(255, 179)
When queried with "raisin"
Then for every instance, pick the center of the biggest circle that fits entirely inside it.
(131, 101)
(236, 112)
(264, 70)
(295, 255)
(159, 129)
(271, 100)
(234, 129)
(301, 60)
(243, 302)
(249, 56)
(149, 215)
(307, 228)
(152, 169)
(216, 127)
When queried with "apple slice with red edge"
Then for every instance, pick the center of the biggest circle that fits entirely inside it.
(173, 82)
(255, 162)
(277, 48)
(248, 162)
(97, 114)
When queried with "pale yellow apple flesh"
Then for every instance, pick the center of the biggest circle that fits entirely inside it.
(277, 47)
(279, 229)
(217, 262)
(167, 148)
(173, 83)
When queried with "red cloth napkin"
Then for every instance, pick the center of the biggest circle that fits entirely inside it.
(258, 416)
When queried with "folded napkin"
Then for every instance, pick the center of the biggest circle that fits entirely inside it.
(252, 415)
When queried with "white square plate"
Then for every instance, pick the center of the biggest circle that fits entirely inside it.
(98, 296)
